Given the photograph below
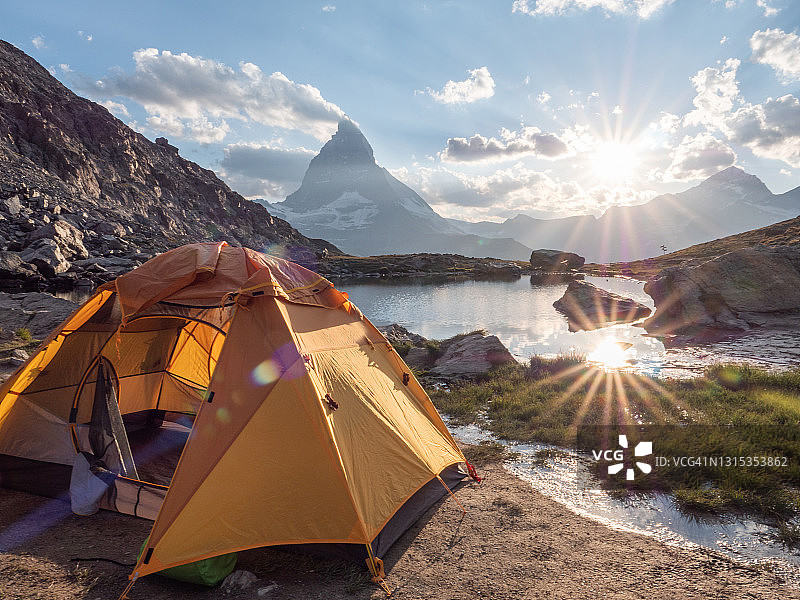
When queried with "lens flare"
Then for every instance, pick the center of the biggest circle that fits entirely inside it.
(265, 373)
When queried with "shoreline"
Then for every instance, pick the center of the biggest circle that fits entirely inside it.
(512, 543)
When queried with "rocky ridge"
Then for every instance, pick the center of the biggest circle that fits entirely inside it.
(67, 165)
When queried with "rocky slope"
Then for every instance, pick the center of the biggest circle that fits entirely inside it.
(729, 202)
(66, 159)
(785, 233)
(346, 197)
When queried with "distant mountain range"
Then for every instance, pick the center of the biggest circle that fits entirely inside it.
(93, 171)
(729, 202)
(345, 197)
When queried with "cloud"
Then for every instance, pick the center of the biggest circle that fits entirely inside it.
(543, 98)
(770, 129)
(199, 94)
(617, 110)
(644, 9)
(87, 37)
(510, 191)
(526, 141)
(117, 109)
(717, 93)
(328, 8)
(38, 41)
(477, 86)
(723, 40)
(769, 11)
(262, 170)
(779, 50)
(699, 157)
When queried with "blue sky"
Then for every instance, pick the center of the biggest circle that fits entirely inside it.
(487, 108)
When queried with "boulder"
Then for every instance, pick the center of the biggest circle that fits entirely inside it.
(47, 256)
(37, 311)
(470, 355)
(110, 228)
(556, 260)
(397, 334)
(13, 267)
(11, 206)
(590, 307)
(68, 238)
(731, 293)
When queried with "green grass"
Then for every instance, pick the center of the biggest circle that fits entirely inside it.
(24, 334)
(733, 411)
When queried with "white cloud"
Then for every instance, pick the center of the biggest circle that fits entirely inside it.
(769, 11)
(527, 141)
(543, 98)
(617, 110)
(779, 50)
(38, 42)
(328, 8)
(724, 39)
(264, 170)
(117, 109)
(510, 191)
(87, 37)
(644, 9)
(195, 95)
(786, 172)
(477, 86)
(770, 129)
(717, 93)
(699, 157)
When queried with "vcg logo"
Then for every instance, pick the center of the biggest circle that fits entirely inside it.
(618, 456)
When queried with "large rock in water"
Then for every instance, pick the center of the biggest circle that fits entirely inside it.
(470, 355)
(731, 293)
(590, 307)
(556, 261)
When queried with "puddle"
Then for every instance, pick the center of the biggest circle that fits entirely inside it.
(564, 476)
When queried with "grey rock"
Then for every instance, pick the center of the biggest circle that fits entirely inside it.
(397, 334)
(471, 355)
(556, 261)
(736, 291)
(11, 205)
(46, 255)
(38, 311)
(109, 228)
(68, 238)
(590, 307)
(12, 266)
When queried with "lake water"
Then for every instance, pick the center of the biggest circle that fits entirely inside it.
(521, 314)
(565, 477)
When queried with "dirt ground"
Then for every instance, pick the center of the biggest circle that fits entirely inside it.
(512, 543)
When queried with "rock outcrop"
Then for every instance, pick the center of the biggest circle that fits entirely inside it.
(67, 165)
(397, 334)
(590, 307)
(736, 291)
(556, 261)
(38, 312)
(470, 355)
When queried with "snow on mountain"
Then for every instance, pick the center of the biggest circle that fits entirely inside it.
(347, 198)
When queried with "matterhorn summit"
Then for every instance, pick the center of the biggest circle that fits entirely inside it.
(347, 198)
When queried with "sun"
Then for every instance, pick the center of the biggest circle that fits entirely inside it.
(611, 354)
(613, 161)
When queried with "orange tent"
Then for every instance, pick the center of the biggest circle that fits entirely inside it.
(307, 427)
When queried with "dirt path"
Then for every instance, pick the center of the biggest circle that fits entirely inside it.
(513, 543)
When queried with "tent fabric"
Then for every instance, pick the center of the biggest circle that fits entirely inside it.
(308, 428)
